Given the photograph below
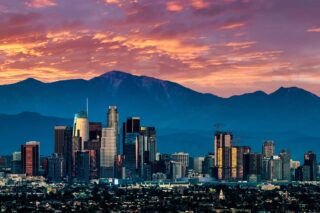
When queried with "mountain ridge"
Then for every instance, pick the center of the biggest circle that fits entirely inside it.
(284, 115)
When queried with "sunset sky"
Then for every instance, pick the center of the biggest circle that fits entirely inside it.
(225, 47)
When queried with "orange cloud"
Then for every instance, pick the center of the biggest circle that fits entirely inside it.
(199, 4)
(314, 30)
(232, 26)
(40, 3)
(174, 6)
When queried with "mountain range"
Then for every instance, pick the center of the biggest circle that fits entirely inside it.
(185, 119)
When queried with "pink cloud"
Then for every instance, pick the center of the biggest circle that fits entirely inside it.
(40, 3)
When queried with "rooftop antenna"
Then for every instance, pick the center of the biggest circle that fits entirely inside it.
(87, 106)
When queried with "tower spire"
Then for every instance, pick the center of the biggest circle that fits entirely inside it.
(87, 106)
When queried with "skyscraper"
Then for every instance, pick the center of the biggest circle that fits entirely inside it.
(30, 155)
(197, 164)
(208, 164)
(252, 163)
(95, 130)
(131, 132)
(241, 150)
(113, 122)
(56, 168)
(222, 149)
(182, 158)
(16, 163)
(285, 157)
(83, 166)
(59, 139)
(268, 149)
(275, 168)
(310, 159)
(62, 144)
(110, 144)
(108, 152)
(74, 147)
(81, 127)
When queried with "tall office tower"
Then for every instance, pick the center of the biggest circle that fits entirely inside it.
(59, 139)
(74, 147)
(93, 146)
(108, 152)
(83, 166)
(146, 150)
(182, 158)
(62, 142)
(241, 150)
(93, 168)
(131, 132)
(265, 173)
(113, 122)
(234, 161)
(30, 155)
(177, 170)
(268, 149)
(285, 157)
(55, 168)
(197, 164)
(149, 143)
(310, 159)
(113, 117)
(95, 130)
(222, 148)
(81, 127)
(132, 125)
(16, 163)
(131, 152)
(208, 164)
(252, 163)
(275, 168)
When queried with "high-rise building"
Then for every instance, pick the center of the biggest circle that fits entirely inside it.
(30, 156)
(252, 163)
(182, 158)
(16, 163)
(268, 149)
(81, 127)
(208, 164)
(59, 139)
(83, 166)
(147, 149)
(223, 155)
(131, 154)
(197, 164)
(56, 168)
(310, 159)
(108, 152)
(241, 150)
(285, 157)
(95, 130)
(275, 168)
(131, 132)
(176, 170)
(62, 144)
(110, 147)
(74, 147)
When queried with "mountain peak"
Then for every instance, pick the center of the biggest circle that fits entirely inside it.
(115, 74)
(292, 91)
(30, 81)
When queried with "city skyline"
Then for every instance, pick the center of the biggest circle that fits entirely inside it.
(263, 45)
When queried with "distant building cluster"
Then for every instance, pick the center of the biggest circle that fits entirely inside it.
(88, 151)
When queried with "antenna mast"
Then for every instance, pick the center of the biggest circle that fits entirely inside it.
(87, 106)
